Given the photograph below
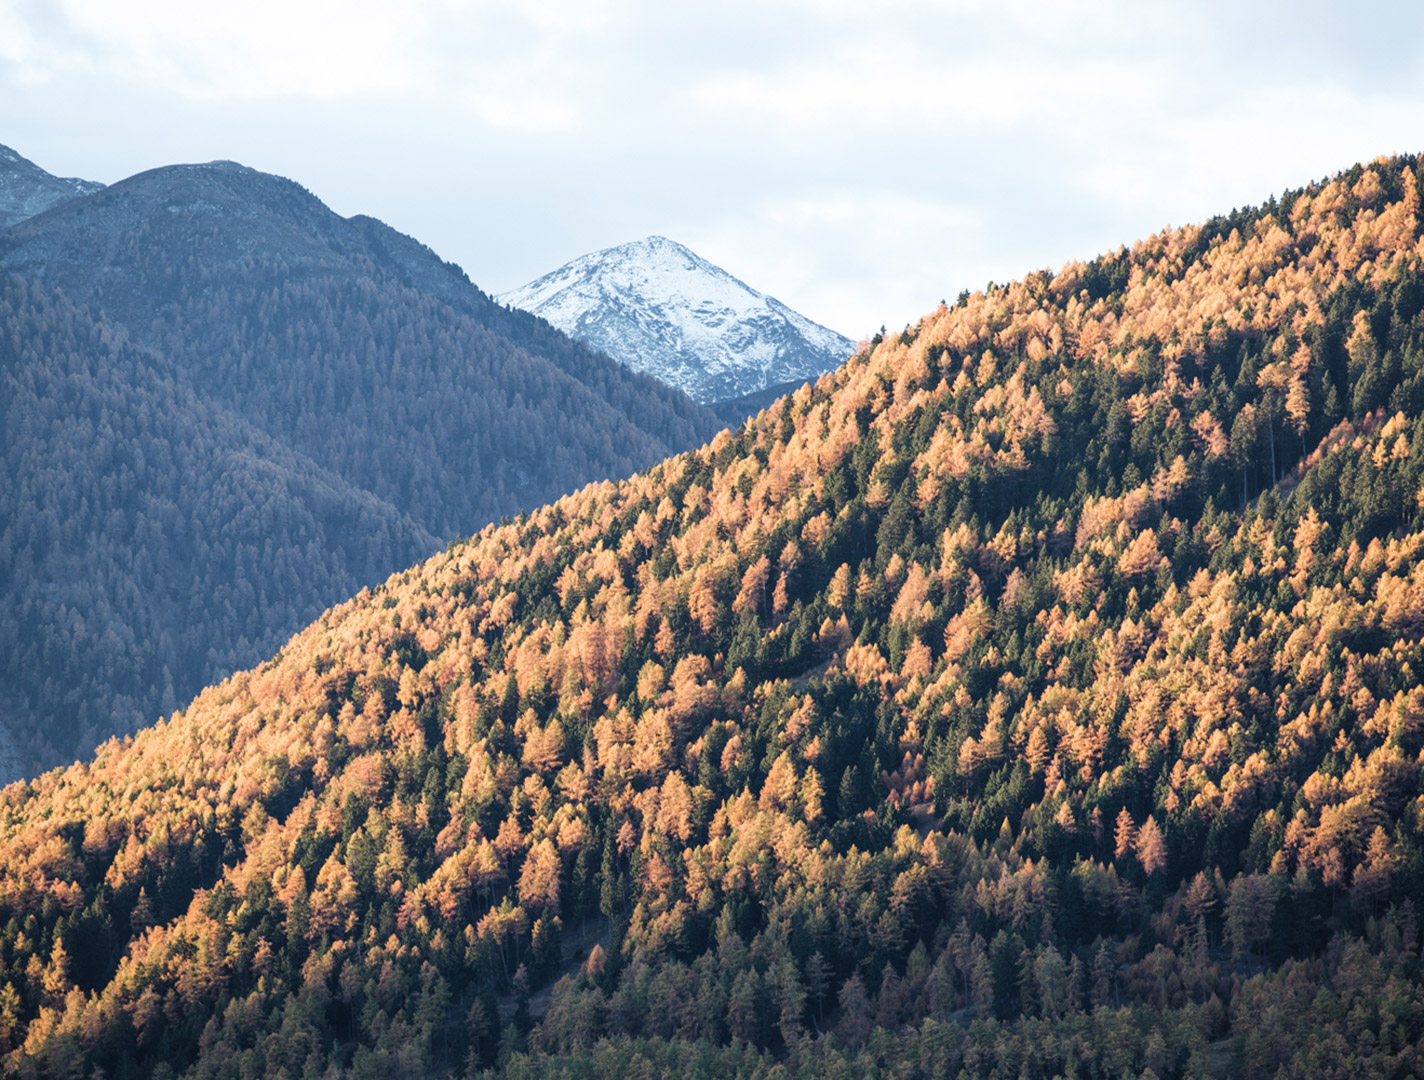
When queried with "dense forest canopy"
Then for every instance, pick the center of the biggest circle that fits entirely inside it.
(256, 408)
(1033, 696)
(149, 538)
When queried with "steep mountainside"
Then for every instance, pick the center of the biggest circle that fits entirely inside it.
(150, 541)
(331, 333)
(366, 364)
(26, 189)
(661, 309)
(1034, 696)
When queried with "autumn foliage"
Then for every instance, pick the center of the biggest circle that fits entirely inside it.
(1035, 695)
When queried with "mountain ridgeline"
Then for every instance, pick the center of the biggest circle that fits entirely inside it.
(214, 387)
(27, 190)
(325, 330)
(1034, 696)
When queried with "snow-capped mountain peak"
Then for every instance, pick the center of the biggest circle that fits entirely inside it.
(661, 308)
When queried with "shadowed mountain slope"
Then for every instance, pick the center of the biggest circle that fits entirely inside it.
(371, 370)
(333, 333)
(151, 540)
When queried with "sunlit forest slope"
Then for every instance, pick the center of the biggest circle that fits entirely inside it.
(142, 556)
(1034, 696)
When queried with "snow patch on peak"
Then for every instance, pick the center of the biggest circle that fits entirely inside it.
(661, 308)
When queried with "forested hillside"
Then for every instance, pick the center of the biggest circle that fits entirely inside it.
(367, 371)
(149, 539)
(352, 343)
(1033, 696)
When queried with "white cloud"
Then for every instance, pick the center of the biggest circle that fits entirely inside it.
(261, 48)
(505, 61)
(915, 92)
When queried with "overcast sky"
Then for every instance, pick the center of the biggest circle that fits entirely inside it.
(858, 160)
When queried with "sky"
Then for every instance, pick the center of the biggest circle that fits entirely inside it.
(858, 161)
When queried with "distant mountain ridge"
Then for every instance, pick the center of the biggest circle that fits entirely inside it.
(216, 264)
(662, 309)
(298, 383)
(27, 190)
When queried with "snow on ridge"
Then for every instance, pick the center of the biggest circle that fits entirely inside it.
(660, 308)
